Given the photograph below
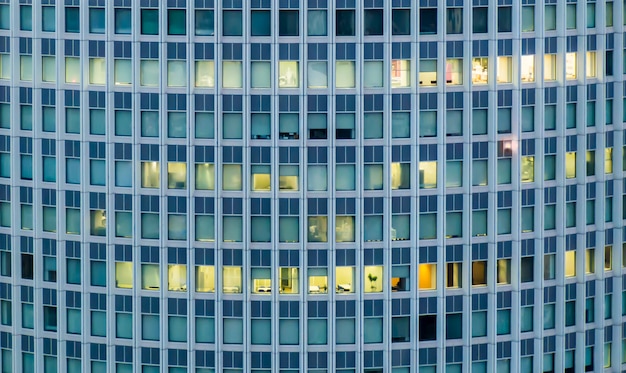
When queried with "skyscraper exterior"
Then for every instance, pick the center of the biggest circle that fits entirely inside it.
(312, 186)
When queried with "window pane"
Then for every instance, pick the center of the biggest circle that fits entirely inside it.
(317, 74)
(123, 74)
(288, 23)
(72, 19)
(344, 22)
(232, 24)
(205, 125)
(260, 24)
(400, 22)
(149, 73)
(96, 20)
(149, 21)
(205, 23)
(48, 69)
(400, 125)
(317, 23)
(232, 74)
(260, 74)
(317, 178)
(123, 123)
(232, 126)
(176, 73)
(372, 74)
(26, 18)
(205, 74)
(26, 67)
(344, 74)
(373, 21)
(176, 22)
(48, 18)
(123, 21)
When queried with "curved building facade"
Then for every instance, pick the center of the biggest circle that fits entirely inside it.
(312, 186)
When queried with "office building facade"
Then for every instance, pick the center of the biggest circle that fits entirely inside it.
(312, 185)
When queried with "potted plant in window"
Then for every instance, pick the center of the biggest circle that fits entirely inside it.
(372, 279)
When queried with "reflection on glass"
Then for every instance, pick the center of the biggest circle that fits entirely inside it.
(177, 277)
(150, 174)
(205, 176)
(400, 175)
(176, 175)
(288, 75)
(428, 174)
(318, 229)
(150, 277)
(232, 279)
(98, 223)
(454, 71)
(528, 169)
(205, 279)
(344, 229)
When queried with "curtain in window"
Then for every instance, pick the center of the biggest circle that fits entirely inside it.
(26, 117)
(479, 324)
(97, 71)
(373, 177)
(428, 226)
(231, 177)
(233, 331)
(232, 126)
(261, 126)
(27, 217)
(288, 123)
(124, 325)
(454, 224)
(123, 174)
(177, 328)
(317, 22)
(26, 67)
(72, 221)
(504, 221)
(400, 125)
(261, 331)
(231, 74)
(205, 228)
(48, 69)
(317, 74)
(150, 226)
(479, 121)
(504, 171)
(428, 123)
(289, 229)
(72, 70)
(205, 329)
(73, 321)
(97, 121)
(232, 226)
(373, 228)
(289, 331)
(317, 178)
(205, 125)
(344, 74)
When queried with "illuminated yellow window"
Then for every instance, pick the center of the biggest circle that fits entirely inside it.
(427, 276)
(150, 277)
(373, 279)
(454, 71)
(261, 178)
(72, 70)
(288, 74)
(205, 176)
(591, 68)
(400, 175)
(527, 69)
(261, 280)
(480, 72)
(345, 74)
(504, 271)
(150, 174)
(176, 175)
(97, 71)
(528, 169)
(177, 277)
(428, 72)
(479, 273)
(590, 159)
(428, 174)
(570, 165)
(205, 74)
(400, 73)
(124, 275)
(232, 279)
(608, 160)
(205, 279)
(48, 69)
(570, 263)
(503, 72)
(590, 261)
(231, 177)
(549, 67)
(289, 278)
(345, 279)
(232, 76)
(344, 229)
(318, 281)
(570, 65)
(26, 67)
